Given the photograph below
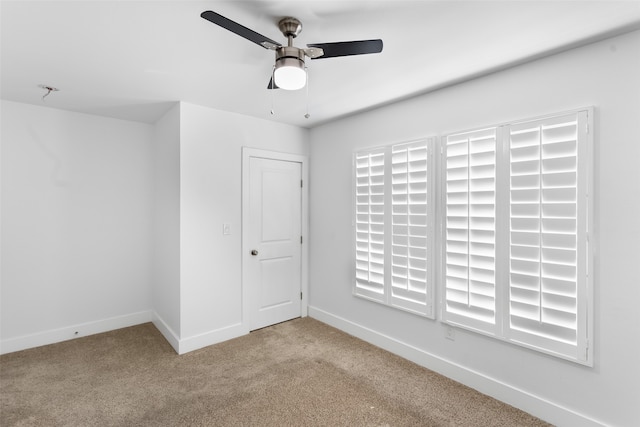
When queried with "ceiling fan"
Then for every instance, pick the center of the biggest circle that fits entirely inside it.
(289, 71)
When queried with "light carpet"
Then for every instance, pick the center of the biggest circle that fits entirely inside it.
(298, 373)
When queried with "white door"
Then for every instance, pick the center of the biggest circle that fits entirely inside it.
(274, 243)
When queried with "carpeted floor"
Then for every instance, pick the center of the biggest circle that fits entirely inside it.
(297, 373)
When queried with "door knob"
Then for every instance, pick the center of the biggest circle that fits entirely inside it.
(254, 252)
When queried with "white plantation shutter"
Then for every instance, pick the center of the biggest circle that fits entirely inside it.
(394, 226)
(547, 235)
(470, 230)
(411, 227)
(515, 218)
(369, 169)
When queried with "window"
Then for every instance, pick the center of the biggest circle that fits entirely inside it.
(531, 203)
(512, 243)
(394, 226)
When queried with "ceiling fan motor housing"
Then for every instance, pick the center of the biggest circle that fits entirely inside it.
(289, 55)
(289, 70)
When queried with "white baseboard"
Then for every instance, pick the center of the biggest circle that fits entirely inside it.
(535, 405)
(185, 345)
(212, 337)
(169, 334)
(74, 331)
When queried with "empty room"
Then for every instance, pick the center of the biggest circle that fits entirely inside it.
(323, 213)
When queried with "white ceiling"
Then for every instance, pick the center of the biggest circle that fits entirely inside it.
(133, 59)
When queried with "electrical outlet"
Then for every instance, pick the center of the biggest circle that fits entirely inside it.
(450, 333)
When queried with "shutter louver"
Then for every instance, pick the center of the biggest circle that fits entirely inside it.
(544, 237)
(369, 224)
(411, 229)
(470, 227)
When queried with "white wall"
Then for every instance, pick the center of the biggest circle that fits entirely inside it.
(108, 223)
(76, 203)
(211, 144)
(605, 75)
(165, 287)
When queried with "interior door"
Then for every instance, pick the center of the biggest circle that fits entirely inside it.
(274, 240)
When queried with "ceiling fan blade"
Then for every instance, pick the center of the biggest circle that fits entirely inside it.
(359, 47)
(240, 30)
(272, 84)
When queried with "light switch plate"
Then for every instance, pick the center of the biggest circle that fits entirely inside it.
(226, 229)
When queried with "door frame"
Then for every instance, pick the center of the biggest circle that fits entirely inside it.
(247, 154)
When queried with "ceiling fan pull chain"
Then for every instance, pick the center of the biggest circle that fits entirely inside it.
(307, 115)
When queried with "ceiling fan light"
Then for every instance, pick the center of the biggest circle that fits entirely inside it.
(290, 74)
